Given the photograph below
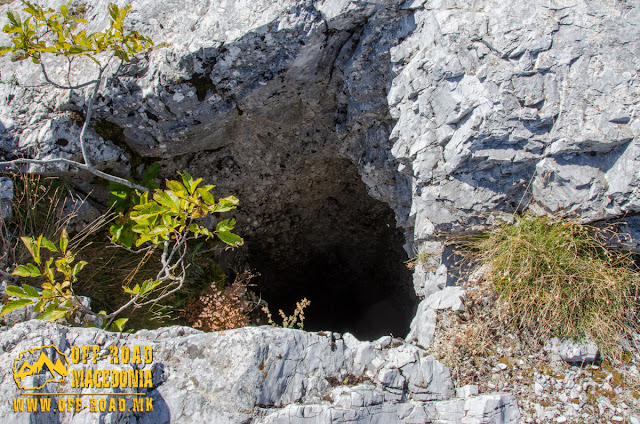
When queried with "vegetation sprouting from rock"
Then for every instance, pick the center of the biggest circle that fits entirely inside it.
(559, 277)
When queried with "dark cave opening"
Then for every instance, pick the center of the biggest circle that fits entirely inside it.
(339, 248)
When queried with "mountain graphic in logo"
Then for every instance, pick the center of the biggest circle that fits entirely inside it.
(53, 372)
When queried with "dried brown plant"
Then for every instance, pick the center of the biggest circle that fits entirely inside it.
(218, 310)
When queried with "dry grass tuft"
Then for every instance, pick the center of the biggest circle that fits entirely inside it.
(37, 207)
(557, 277)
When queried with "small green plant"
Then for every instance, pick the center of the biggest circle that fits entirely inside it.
(420, 257)
(558, 277)
(168, 219)
(55, 300)
(291, 321)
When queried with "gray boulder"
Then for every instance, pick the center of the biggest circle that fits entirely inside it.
(266, 374)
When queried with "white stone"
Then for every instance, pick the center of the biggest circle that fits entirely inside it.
(467, 391)
(447, 298)
(572, 351)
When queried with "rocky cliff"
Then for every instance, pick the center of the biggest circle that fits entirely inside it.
(353, 132)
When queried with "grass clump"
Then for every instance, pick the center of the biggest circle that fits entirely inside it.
(37, 208)
(557, 277)
(421, 257)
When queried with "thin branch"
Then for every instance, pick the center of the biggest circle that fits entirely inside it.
(44, 162)
(64, 87)
(78, 165)
(180, 279)
(183, 240)
(116, 73)
(69, 62)
(85, 125)
(134, 299)
(112, 315)
(17, 84)
(170, 292)
(163, 260)
(81, 306)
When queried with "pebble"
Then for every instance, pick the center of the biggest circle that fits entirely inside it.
(561, 419)
(467, 391)
(606, 403)
(538, 389)
(502, 366)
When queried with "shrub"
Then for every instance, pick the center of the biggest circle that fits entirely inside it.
(558, 277)
(170, 218)
(221, 308)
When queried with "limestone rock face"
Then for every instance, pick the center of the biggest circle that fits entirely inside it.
(446, 113)
(501, 107)
(282, 104)
(263, 374)
(510, 97)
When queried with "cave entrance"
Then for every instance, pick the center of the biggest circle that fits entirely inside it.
(340, 249)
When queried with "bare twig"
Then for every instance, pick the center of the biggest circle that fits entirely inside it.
(65, 87)
(78, 165)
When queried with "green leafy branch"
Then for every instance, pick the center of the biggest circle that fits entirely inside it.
(170, 212)
(45, 31)
(56, 300)
(169, 218)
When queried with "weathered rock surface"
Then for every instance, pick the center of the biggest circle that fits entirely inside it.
(500, 107)
(423, 326)
(447, 110)
(261, 373)
(319, 114)
(446, 113)
(6, 195)
(573, 351)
